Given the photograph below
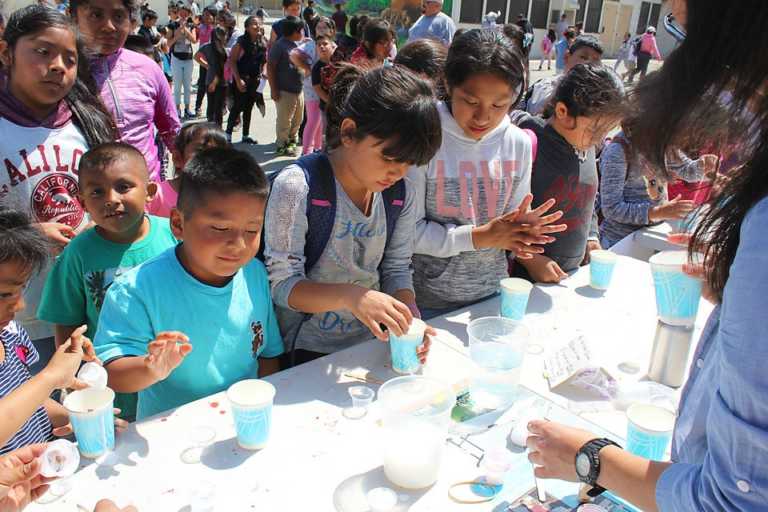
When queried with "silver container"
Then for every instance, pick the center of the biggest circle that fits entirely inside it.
(669, 358)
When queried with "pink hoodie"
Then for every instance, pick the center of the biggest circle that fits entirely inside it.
(135, 91)
(648, 45)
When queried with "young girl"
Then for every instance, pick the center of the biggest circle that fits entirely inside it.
(213, 57)
(304, 57)
(247, 61)
(547, 45)
(469, 194)
(204, 31)
(192, 138)
(132, 86)
(48, 119)
(376, 46)
(588, 102)
(378, 125)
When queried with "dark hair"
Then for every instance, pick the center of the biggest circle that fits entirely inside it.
(245, 41)
(211, 10)
(291, 25)
(220, 170)
(288, 3)
(218, 43)
(459, 31)
(149, 14)
(327, 21)
(484, 51)
(586, 41)
(675, 106)
(88, 112)
(354, 21)
(590, 90)
(551, 35)
(139, 44)
(130, 5)
(426, 57)
(569, 34)
(211, 133)
(515, 34)
(100, 157)
(308, 14)
(20, 241)
(375, 31)
(390, 104)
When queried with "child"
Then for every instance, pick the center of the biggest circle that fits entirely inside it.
(622, 55)
(213, 57)
(192, 138)
(147, 29)
(325, 51)
(115, 188)
(376, 46)
(584, 50)
(210, 286)
(29, 415)
(469, 194)
(291, 8)
(247, 60)
(588, 103)
(356, 276)
(426, 58)
(48, 119)
(285, 82)
(561, 49)
(204, 32)
(547, 45)
(304, 58)
(633, 196)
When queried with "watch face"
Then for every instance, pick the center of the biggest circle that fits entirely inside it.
(582, 465)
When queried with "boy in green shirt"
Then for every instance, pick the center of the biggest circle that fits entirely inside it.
(114, 188)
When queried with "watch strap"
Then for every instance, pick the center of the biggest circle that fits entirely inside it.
(592, 449)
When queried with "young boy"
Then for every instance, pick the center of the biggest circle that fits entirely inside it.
(325, 48)
(210, 286)
(286, 84)
(114, 189)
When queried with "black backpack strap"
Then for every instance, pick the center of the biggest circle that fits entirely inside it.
(321, 205)
(394, 201)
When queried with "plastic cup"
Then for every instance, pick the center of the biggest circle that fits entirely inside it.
(601, 265)
(677, 294)
(93, 420)
(405, 360)
(361, 396)
(60, 459)
(514, 297)
(381, 499)
(649, 430)
(251, 402)
(94, 375)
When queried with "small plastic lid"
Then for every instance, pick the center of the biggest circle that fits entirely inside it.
(381, 499)
(60, 459)
(94, 375)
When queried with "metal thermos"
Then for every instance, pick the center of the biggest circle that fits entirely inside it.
(669, 358)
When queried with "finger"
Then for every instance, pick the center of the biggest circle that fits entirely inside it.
(561, 273)
(511, 216)
(392, 323)
(536, 458)
(155, 348)
(525, 204)
(77, 384)
(62, 431)
(172, 335)
(694, 270)
(22, 472)
(549, 219)
(545, 206)
(373, 325)
(185, 349)
(404, 310)
(521, 249)
(37, 492)
(542, 472)
(551, 228)
(537, 427)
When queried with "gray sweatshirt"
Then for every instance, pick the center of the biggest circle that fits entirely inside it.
(465, 185)
(355, 254)
(627, 196)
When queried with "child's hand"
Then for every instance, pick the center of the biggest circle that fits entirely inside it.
(20, 479)
(65, 430)
(165, 353)
(696, 271)
(374, 308)
(592, 245)
(423, 350)
(109, 506)
(543, 269)
(58, 235)
(66, 360)
(675, 209)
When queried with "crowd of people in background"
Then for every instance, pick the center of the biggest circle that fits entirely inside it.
(138, 239)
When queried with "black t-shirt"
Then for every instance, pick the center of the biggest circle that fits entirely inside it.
(559, 173)
(317, 77)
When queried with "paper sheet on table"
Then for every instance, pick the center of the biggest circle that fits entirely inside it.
(568, 361)
(262, 86)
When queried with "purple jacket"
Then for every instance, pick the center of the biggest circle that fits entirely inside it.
(134, 89)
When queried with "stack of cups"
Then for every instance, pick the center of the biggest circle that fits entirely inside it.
(601, 265)
(251, 402)
(514, 297)
(405, 359)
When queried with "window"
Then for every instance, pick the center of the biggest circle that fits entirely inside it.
(642, 20)
(497, 6)
(655, 12)
(554, 17)
(581, 12)
(471, 12)
(540, 13)
(593, 16)
(516, 7)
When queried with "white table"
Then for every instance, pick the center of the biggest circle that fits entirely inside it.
(319, 460)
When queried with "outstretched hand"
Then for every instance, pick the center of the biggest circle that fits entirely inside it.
(166, 352)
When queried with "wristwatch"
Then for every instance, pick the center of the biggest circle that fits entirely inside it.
(588, 464)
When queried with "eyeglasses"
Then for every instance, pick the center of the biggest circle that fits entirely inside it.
(673, 28)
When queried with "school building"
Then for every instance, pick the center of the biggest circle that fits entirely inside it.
(609, 20)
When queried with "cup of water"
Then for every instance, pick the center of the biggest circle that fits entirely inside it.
(497, 347)
(677, 293)
(514, 297)
(601, 265)
(93, 420)
(649, 430)
(251, 402)
(361, 396)
(403, 348)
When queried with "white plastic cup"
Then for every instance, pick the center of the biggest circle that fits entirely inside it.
(251, 402)
(677, 294)
(361, 396)
(405, 359)
(514, 297)
(94, 375)
(649, 430)
(601, 265)
(60, 459)
(93, 420)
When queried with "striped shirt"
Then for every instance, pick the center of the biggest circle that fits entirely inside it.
(20, 354)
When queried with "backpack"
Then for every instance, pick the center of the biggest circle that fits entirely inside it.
(321, 214)
(638, 45)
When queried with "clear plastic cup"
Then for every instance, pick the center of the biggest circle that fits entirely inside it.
(361, 396)
(677, 294)
(251, 402)
(93, 420)
(405, 359)
(198, 439)
(514, 297)
(601, 265)
(381, 499)
(94, 375)
(649, 430)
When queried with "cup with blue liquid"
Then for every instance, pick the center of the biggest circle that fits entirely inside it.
(649, 430)
(601, 265)
(677, 293)
(514, 297)
(405, 358)
(92, 417)
(251, 401)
